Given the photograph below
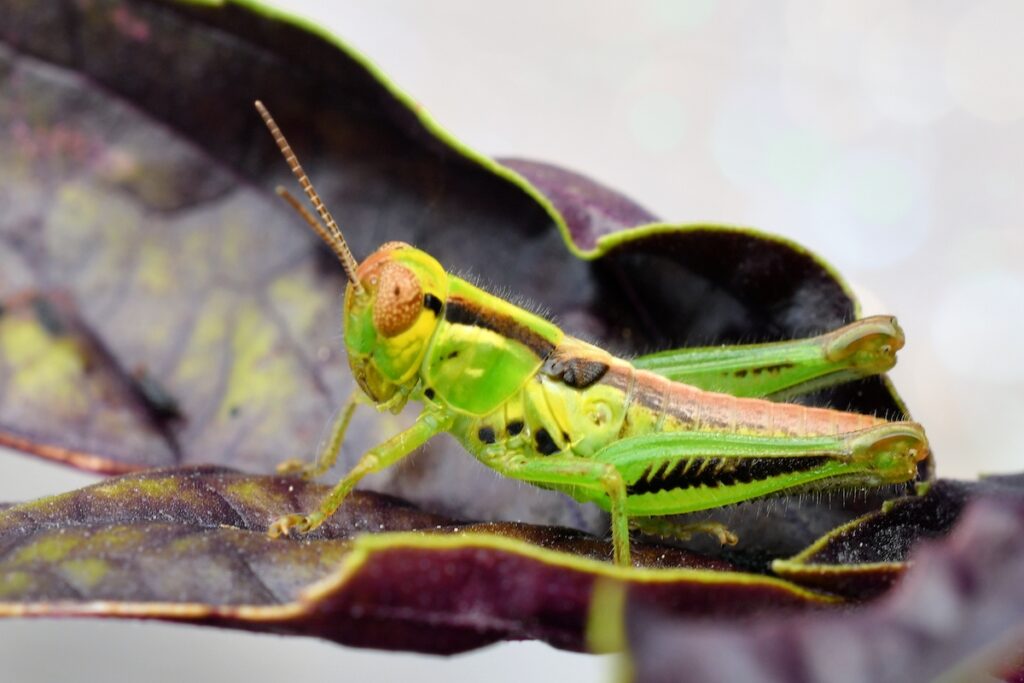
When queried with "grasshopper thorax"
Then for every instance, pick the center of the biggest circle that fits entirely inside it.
(391, 318)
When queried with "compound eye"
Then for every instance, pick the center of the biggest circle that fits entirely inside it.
(399, 299)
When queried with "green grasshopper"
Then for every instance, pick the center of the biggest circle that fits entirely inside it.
(641, 439)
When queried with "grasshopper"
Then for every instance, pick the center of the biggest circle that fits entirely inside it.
(643, 439)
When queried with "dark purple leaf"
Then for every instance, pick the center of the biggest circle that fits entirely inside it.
(190, 545)
(589, 209)
(959, 607)
(864, 558)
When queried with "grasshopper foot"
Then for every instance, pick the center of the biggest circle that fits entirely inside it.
(300, 524)
(724, 535)
(294, 467)
(307, 471)
(663, 528)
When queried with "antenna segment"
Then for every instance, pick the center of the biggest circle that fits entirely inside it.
(331, 234)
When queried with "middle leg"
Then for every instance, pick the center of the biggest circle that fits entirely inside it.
(571, 472)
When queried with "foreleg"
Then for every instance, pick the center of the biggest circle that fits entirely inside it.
(377, 458)
(328, 454)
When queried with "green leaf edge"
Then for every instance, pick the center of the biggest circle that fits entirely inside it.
(798, 565)
(366, 544)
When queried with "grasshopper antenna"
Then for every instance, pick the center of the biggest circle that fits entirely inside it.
(331, 234)
(318, 227)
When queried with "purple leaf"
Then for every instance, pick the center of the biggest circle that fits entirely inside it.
(191, 545)
(960, 606)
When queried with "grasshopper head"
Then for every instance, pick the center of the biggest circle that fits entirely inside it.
(393, 299)
(389, 324)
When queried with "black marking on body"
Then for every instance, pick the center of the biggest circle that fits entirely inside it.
(453, 354)
(459, 311)
(545, 444)
(433, 303)
(486, 434)
(574, 371)
(429, 393)
(715, 472)
(514, 427)
(770, 369)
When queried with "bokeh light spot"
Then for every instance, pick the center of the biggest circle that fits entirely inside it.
(984, 62)
(977, 328)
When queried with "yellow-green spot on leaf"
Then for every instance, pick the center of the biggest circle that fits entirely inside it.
(44, 506)
(14, 583)
(74, 213)
(115, 538)
(205, 346)
(299, 300)
(236, 236)
(45, 368)
(77, 223)
(155, 269)
(156, 488)
(261, 374)
(185, 545)
(211, 327)
(51, 548)
(107, 490)
(255, 494)
(86, 572)
(195, 250)
(213, 541)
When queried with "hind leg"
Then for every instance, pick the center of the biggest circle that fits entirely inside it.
(783, 369)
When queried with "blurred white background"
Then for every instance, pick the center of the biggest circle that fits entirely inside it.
(887, 136)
